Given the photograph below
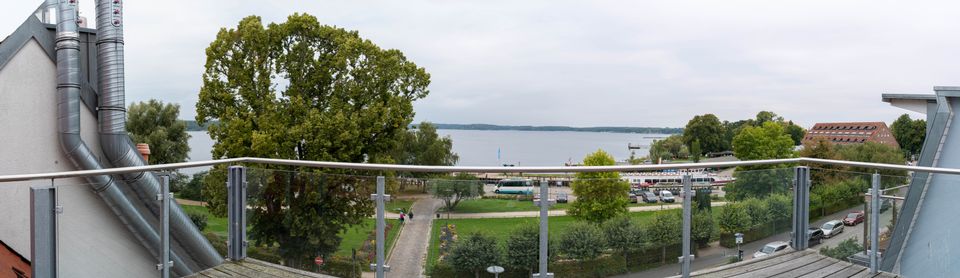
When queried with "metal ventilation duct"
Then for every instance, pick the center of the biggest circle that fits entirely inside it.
(120, 150)
(68, 114)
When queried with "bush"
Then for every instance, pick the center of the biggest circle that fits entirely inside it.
(475, 253)
(582, 241)
(733, 219)
(198, 219)
(342, 267)
(843, 250)
(622, 234)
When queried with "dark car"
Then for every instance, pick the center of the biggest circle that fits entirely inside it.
(648, 197)
(815, 236)
(853, 218)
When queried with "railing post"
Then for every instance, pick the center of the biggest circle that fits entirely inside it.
(165, 197)
(237, 213)
(544, 203)
(875, 199)
(801, 208)
(380, 267)
(687, 191)
(43, 231)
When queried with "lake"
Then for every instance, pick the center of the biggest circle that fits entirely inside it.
(522, 148)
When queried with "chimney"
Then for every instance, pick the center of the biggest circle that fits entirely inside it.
(144, 151)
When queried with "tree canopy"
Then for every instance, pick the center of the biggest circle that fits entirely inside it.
(909, 134)
(155, 123)
(305, 91)
(706, 129)
(452, 190)
(600, 195)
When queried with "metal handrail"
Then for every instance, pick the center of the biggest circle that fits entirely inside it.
(483, 169)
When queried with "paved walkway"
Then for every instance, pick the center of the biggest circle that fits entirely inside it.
(409, 253)
(515, 214)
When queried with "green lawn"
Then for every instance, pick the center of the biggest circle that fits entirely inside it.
(395, 205)
(501, 205)
(500, 228)
(352, 238)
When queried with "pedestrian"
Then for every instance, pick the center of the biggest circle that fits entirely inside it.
(401, 217)
(410, 215)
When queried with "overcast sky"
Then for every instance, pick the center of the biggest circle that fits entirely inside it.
(590, 63)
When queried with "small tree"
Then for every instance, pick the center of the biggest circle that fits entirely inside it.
(733, 219)
(475, 253)
(704, 203)
(623, 234)
(665, 230)
(523, 248)
(757, 210)
(779, 207)
(582, 241)
(702, 227)
(454, 190)
(601, 195)
(843, 250)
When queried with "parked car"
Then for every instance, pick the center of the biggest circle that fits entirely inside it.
(771, 248)
(666, 196)
(648, 197)
(814, 236)
(632, 196)
(562, 198)
(832, 228)
(853, 218)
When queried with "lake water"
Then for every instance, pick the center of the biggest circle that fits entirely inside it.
(522, 148)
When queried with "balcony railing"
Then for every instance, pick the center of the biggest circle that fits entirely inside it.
(782, 177)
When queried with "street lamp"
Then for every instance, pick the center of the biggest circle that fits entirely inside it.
(739, 239)
(496, 270)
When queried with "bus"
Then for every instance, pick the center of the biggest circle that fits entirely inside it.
(514, 186)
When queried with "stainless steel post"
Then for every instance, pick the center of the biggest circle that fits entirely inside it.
(875, 200)
(165, 198)
(380, 268)
(544, 204)
(237, 213)
(687, 191)
(801, 208)
(43, 235)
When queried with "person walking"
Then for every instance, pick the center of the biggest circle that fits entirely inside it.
(410, 215)
(401, 217)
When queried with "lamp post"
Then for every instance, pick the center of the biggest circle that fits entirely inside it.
(739, 239)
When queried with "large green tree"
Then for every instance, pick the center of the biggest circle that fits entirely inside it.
(708, 130)
(157, 124)
(600, 195)
(306, 91)
(423, 146)
(909, 134)
(755, 143)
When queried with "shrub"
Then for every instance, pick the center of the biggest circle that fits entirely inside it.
(523, 248)
(582, 241)
(342, 267)
(843, 250)
(664, 231)
(622, 234)
(702, 227)
(757, 210)
(733, 219)
(475, 253)
(198, 219)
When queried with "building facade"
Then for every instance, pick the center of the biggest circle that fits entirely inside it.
(851, 133)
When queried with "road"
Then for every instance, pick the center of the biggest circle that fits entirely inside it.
(716, 255)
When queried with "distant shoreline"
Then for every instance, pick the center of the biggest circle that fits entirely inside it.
(193, 126)
(613, 129)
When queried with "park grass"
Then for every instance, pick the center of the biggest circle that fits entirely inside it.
(394, 205)
(500, 228)
(353, 237)
(504, 205)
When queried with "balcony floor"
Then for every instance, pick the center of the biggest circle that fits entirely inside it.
(254, 268)
(807, 264)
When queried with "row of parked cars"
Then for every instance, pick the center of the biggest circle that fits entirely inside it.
(637, 195)
(815, 235)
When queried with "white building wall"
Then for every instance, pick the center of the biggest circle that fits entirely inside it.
(92, 240)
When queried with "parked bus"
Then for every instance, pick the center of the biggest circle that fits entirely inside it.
(514, 186)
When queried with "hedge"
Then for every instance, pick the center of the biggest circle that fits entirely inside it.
(757, 233)
(342, 267)
(604, 266)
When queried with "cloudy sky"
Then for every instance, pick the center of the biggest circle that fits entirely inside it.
(591, 63)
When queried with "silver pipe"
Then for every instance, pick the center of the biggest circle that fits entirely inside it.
(68, 116)
(117, 146)
(456, 169)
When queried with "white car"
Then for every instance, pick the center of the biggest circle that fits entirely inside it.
(832, 228)
(771, 248)
(666, 196)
